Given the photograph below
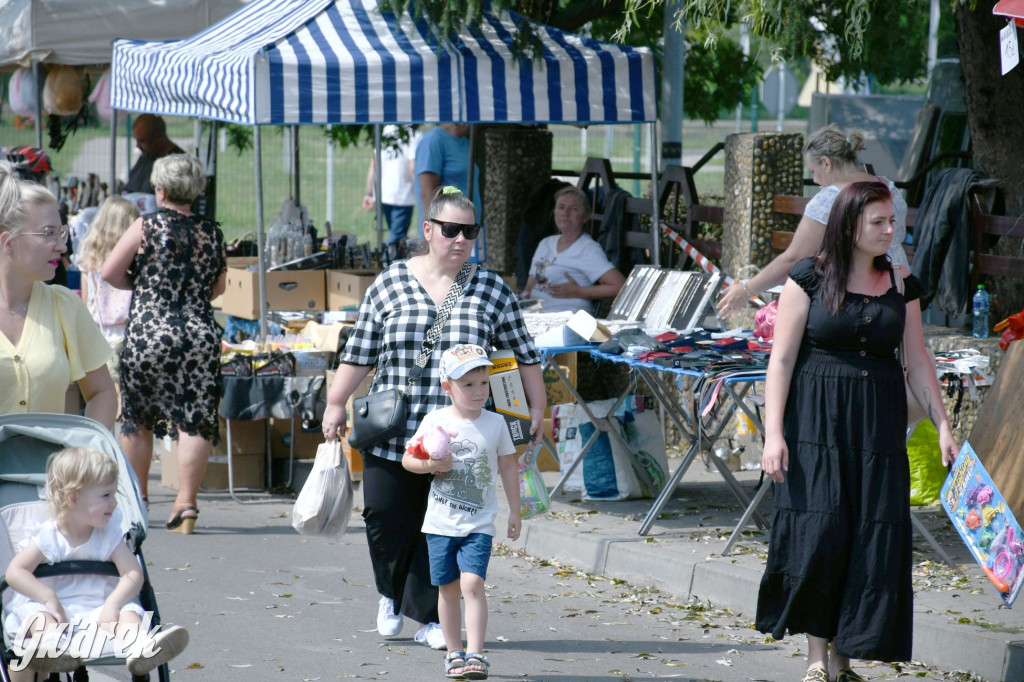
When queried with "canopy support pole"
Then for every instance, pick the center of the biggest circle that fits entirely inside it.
(295, 166)
(655, 218)
(261, 262)
(472, 168)
(37, 73)
(377, 180)
(329, 209)
(112, 187)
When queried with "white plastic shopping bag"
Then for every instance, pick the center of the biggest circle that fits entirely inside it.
(324, 504)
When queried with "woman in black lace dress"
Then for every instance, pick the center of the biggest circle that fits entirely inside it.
(839, 557)
(175, 263)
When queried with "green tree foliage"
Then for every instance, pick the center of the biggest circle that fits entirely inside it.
(849, 38)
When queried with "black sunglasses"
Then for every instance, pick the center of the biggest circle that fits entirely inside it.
(451, 230)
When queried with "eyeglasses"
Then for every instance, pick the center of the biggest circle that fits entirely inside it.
(51, 235)
(451, 230)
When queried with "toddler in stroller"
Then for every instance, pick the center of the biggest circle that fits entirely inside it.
(55, 622)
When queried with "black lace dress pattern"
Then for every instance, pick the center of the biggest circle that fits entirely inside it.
(171, 353)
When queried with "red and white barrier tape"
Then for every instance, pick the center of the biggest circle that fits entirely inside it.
(699, 258)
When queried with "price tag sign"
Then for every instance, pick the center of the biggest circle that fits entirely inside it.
(1008, 47)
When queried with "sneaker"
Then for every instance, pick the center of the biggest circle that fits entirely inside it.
(431, 635)
(151, 652)
(389, 624)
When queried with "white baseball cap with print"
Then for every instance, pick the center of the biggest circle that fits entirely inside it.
(458, 360)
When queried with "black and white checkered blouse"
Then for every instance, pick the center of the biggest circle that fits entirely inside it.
(393, 321)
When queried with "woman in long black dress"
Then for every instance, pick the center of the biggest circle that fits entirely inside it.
(839, 558)
(171, 352)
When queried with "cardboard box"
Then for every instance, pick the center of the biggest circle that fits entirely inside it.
(286, 290)
(248, 446)
(509, 396)
(312, 363)
(242, 262)
(347, 288)
(325, 336)
(545, 460)
(579, 330)
(249, 470)
(306, 442)
(247, 438)
(556, 390)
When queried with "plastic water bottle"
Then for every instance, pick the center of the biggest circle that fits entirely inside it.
(981, 304)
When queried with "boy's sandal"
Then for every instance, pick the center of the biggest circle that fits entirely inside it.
(848, 675)
(476, 667)
(816, 674)
(454, 663)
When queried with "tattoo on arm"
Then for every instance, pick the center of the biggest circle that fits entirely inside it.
(933, 412)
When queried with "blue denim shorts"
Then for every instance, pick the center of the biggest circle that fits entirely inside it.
(451, 556)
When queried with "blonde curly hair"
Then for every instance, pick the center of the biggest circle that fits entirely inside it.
(111, 221)
(72, 469)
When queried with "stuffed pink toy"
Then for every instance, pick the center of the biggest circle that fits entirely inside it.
(433, 444)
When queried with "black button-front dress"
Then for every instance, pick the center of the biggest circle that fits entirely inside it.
(839, 558)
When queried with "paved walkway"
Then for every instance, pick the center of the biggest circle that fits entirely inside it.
(959, 625)
(960, 622)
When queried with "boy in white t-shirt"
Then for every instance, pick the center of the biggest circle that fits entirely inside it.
(463, 503)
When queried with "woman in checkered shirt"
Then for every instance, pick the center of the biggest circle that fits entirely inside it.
(393, 321)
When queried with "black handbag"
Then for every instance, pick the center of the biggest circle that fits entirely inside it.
(378, 417)
(381, 416)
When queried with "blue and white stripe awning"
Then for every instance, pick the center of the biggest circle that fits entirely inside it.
(345, 61)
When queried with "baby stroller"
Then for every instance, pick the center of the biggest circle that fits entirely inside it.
(26, 440)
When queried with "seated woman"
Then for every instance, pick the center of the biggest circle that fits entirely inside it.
(570, 271)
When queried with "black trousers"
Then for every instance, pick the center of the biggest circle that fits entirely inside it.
(394, 504)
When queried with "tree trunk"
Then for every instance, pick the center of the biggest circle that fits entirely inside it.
(994, 106)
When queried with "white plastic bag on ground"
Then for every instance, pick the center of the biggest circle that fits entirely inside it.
(324, 504)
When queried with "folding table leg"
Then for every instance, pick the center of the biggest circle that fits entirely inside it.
(670, 487)
(920, 528)
(601, 424)
(747, 513)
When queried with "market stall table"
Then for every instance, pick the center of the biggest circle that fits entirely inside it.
(702, 429)
(601, 424)
(250, 398)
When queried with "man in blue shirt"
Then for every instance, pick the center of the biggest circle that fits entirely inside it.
(442, 158)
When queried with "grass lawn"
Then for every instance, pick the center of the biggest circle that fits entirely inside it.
(236, 206)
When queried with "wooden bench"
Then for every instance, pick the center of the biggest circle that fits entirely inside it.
(790, 205)
(986, 228)
(673, 182)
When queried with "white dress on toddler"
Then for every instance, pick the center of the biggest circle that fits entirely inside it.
(82, 596)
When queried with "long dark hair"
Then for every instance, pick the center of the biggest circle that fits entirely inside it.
(833, 260)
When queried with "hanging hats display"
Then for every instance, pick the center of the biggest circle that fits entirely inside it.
(101, 96)
(62, 94)
(23, 92)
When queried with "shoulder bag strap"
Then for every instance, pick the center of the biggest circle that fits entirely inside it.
(434, 333)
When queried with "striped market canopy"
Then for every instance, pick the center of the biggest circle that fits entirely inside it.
(346, 61)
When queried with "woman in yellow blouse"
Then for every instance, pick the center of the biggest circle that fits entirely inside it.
(36, 319)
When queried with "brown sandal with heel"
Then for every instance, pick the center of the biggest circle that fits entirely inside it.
(180, 523)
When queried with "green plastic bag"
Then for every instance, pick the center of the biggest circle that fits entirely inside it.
(927, 474)
(533, 494)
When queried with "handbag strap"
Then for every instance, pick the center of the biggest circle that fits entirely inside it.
(434, 333)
